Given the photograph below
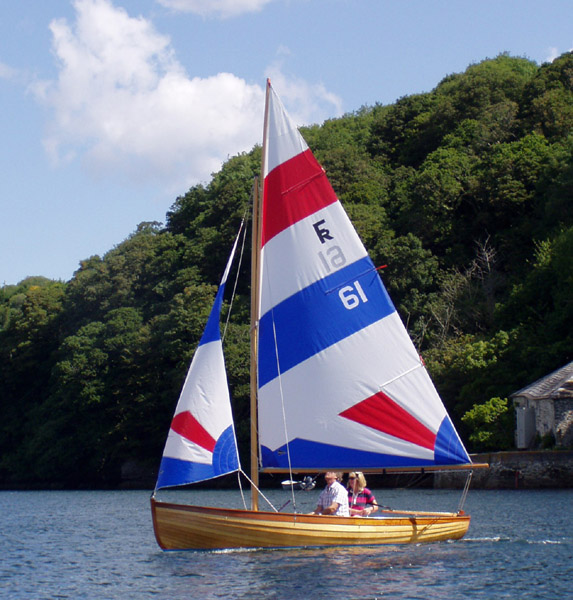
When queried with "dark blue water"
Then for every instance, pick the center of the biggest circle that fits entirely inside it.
(101, 545)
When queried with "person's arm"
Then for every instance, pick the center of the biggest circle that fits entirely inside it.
(374, 506)
(361, 512)
(370, 506)
(330, 510)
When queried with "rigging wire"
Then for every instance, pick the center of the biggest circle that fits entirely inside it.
(258, 490)
(283, 411)
(240, 262)
(281, 393)
(465, 492)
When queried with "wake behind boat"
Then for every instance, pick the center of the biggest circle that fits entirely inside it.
(336, 382)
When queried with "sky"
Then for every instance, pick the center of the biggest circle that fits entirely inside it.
(111, 109)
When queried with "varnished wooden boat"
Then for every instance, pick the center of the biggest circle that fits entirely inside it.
(179, 527)
(336, 382)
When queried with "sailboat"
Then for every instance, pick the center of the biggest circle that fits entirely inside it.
(336, 382)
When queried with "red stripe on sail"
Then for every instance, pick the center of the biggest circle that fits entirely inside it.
(186, 425)
(294, 190)
(380, 412)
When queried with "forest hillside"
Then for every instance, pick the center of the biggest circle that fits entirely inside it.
(464, 192)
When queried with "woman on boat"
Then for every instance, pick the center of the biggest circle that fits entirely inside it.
(360, 499)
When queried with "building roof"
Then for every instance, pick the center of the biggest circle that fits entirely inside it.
(558, 384)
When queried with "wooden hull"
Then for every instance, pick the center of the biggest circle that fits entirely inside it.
(184, 527)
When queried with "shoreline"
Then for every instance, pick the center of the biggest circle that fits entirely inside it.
(514, 469)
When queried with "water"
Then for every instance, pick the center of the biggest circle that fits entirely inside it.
(100, 545)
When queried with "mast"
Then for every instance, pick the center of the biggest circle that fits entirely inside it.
(255, 304)
(254, 323)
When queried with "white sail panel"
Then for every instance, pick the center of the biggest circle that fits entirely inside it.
(283, 141)
(327, 384)
(322, 243)
(181, 448)
(205, 389)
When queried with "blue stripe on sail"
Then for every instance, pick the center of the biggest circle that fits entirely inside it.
(174, 471)
(212, 331)
(314, 455)
(316, 317)
(448, 449)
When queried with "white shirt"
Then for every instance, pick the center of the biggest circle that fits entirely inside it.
(335, 492)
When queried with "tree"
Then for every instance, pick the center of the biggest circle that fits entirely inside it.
(464, 193)
(491, 424)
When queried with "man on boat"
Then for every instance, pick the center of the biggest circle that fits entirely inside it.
(333, 499)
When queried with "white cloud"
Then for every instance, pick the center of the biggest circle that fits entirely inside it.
(307, 103)
(553, 54)
(219, 8)
(125, 107)
(124, 103)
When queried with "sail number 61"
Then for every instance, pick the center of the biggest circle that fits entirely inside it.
(352, 295)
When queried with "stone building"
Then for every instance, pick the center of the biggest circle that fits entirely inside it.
(545, 408)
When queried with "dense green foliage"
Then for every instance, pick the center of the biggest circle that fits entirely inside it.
(464, 192)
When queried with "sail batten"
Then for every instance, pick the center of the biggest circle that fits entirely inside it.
(334, 358)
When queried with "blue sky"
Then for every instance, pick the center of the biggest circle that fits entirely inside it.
(110, 109)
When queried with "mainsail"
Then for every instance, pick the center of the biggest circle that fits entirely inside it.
(201, 443)
(341, 384)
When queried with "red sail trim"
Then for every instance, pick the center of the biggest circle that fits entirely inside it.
(380, 412)
(294, 190)
(187, 426)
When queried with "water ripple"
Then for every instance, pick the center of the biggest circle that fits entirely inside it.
(75, 545)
